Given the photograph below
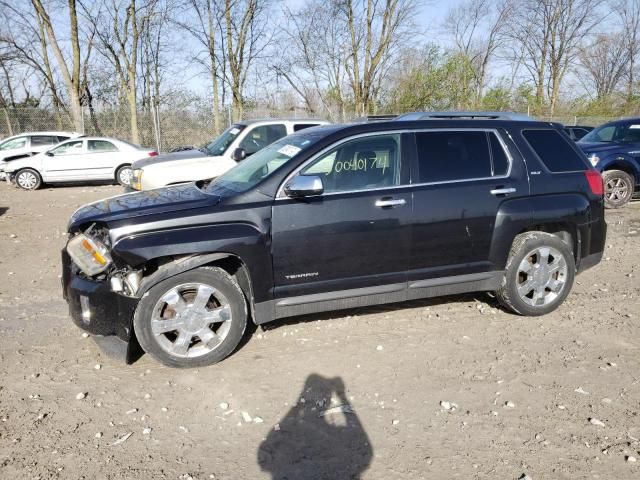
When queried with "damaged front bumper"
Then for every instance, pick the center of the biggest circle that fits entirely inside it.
(95, 308)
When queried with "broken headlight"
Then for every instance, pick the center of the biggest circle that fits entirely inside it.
(88, 253)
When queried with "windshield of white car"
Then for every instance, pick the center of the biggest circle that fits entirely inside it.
(262, 164)
(226, 138)
(623, 133)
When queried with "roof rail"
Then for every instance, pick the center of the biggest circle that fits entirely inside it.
(465, 115)
(374, 118)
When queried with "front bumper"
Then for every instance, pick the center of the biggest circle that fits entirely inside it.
(93, 306)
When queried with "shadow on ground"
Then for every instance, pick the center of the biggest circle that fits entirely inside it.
(317, 438)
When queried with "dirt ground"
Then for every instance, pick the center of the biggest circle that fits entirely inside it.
(522, 392)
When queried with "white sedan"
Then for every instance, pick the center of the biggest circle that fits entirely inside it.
(77, 160)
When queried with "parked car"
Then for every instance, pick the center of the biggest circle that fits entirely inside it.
(614, 149)
(76, 160)
(27, 144)
(239, 141)
(336, 217)
(576, 132)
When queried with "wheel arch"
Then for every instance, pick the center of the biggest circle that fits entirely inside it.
(166, 267)
(625, 165)
(120, 165)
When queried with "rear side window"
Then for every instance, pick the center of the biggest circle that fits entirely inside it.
(98, 146)
(554, 150)
(301, 126)
(43, 140)
(459, 155)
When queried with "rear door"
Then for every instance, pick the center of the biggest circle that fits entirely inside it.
(102, 158)
(463, 177)
(357, 233)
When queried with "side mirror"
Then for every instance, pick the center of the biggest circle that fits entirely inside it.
(49, 154)
(304, 186)
(239, 154)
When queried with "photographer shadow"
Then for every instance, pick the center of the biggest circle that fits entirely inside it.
(317, 439)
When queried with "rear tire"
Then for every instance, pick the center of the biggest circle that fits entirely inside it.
(539, 274)
(28, 179)
(192, 319)
(123, 175)
(618, 188)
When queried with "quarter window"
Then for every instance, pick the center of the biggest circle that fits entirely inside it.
(459, 155)
(99, 146)
(260, 137)
(554, 150)
(365, 163)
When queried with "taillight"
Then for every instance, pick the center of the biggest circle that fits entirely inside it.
(594, 179)
(153, 154)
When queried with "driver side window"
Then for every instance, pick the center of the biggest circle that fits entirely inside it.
(69, 148)
(260, 137)
(361, 164)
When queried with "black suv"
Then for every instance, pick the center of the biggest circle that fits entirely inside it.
(336, 217)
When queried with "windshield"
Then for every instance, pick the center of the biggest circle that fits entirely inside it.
(226, 138)
(262, 164)
(624, 132)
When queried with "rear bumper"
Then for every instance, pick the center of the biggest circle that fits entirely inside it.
(94, 307)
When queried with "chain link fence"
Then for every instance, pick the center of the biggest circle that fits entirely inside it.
(165, 130)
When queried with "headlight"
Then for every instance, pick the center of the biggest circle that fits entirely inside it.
(593, 159)
(89, 254)
(136, 179)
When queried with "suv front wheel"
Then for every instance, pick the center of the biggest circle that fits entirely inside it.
(193, 319)
(539, 274)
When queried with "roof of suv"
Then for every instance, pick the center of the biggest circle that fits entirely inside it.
(280, 120)
(465, 116)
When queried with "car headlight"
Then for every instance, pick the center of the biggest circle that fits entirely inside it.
(89, 254)
(593, 159)
(136, 179)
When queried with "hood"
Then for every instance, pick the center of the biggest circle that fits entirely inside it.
(18, 163)
(130, 205)
(603, 147)
(168, 157)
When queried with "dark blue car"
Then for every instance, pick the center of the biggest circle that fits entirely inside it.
(614, 150)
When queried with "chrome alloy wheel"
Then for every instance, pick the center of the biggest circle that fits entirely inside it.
(542, 276)
(191, 320)
(27, 180)
(616, 189)
(124, 175)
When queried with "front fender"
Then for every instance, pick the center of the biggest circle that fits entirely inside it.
(211, 242)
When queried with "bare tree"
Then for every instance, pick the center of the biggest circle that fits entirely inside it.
(605, 61)
(478, 29)
(71, 74)
(550, 33)
(629, 13)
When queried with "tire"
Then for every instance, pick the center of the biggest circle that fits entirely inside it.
(123, 175)
(211, 303)
(28, 179)
(531, 290)
(618, 188)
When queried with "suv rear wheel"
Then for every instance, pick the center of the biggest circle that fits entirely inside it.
(539, 274)
(193, 319)
(618, 188)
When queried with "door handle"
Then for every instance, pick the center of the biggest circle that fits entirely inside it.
(390, 202)
(502, 191)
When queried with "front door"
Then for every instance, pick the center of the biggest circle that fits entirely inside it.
(462, 178)
(357, 233)
(66, 162)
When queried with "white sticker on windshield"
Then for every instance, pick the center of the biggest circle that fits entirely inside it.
(289, 150)
(634, 126)
(234, 131)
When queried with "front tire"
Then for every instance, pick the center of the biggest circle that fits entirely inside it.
(123, 175)
(618, 188)
(539, 274)
(193, 319)
(28, 179)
